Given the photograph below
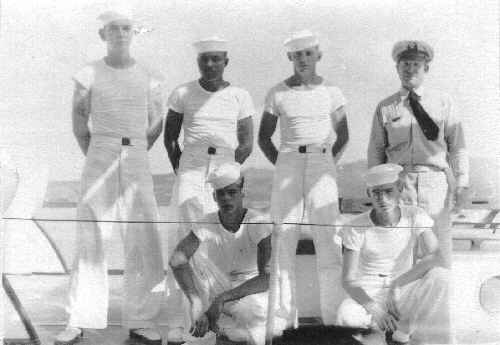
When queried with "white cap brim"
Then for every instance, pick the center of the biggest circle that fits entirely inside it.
(382, 174)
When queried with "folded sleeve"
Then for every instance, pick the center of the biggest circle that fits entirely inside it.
(352, 238)
(270, 103)
(85, 76)
(337, 98)
(175, 100)
(246, 105)
(258, 232)
(422, 221)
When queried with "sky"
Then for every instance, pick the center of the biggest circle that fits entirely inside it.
(43, 43)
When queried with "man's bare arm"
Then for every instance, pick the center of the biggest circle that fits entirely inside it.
(245, 139)
(431, 259)
(155, 117)
(80, 116)
(173, 126)
(179, 262)
(349, 273)
(342, 130)
(266, 130)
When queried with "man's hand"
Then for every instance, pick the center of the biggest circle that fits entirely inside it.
(461, 197)
(198, 318)
(213, 313)
(384, 320)
(200, 327)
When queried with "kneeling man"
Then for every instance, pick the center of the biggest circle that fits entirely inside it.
(227, 284)
(388, 291)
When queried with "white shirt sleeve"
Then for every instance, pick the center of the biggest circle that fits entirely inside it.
(203, 233)
(353, 238)
(422, 221)
(175, 101)
(246, 105)
(258, 232)
(270, 103)
(85, 76)
(338, 100)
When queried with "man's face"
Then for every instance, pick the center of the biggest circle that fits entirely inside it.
(212, 64)
(230, 198)
(118, 34)
(304, 61)
(385, 197)
(412, 72)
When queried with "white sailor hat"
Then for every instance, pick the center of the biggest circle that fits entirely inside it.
(224, 175)
(301, 40)
(412, 49)
(122, 12)
(210, 44)
(382, 174)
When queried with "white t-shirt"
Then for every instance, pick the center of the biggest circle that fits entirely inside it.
(233, 253)
(386, 251)
(305, 114)
(120, 98)
(210, 118)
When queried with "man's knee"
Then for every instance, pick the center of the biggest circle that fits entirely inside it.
(352, 314)
(439, 276)
(177, 260)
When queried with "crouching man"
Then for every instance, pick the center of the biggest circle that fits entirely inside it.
(388, 291)
(227, 284)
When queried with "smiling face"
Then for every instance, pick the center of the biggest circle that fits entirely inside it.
(385, 197)
(212, 65)
(118, 34)
(230, 198)
(304, 61)
(412, 72)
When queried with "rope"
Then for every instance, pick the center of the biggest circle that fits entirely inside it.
(492, 224)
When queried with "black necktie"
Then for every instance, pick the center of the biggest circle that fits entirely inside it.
(428, 126)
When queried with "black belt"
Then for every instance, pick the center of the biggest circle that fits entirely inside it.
(211, 150)
(126, 141)
(303, 149)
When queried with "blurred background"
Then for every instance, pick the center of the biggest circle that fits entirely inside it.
(44, 42)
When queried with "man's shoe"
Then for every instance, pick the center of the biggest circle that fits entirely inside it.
(397, 338)
(70, 336)
(146, 336)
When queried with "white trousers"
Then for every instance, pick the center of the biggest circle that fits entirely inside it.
(9, 180)
(422, 306)
(243, 320)
(305, 191)
(116, 185)
(192, 199)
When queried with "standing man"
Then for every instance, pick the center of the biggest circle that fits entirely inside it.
(123, 101)
(227, 291)
(418, 129)
(310, 110)
(217, 121)
(387, 291)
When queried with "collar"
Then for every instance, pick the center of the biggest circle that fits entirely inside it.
(403, 92)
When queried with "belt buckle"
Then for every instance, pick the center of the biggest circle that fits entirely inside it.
(211, 150)
(302, 149)
(126, 141)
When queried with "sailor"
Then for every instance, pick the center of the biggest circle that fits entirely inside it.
(227, 289)
(387, 290)
(314, 132)
(122, 99)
